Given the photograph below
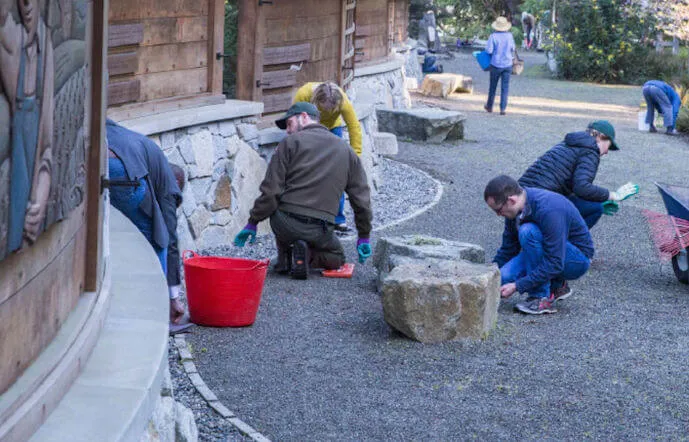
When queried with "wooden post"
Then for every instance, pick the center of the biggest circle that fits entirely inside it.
(216, 43)
(250, 41)
(95, 157)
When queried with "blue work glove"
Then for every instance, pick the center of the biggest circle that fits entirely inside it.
(363, 247)
(610, 207)
(248, 232)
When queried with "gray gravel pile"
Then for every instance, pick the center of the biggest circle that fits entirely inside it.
(405, 191)
(212, 427)
(320, 363)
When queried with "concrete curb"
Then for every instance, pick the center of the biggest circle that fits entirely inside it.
(211, 399)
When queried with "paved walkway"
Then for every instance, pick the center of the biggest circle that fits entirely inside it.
(321, 364)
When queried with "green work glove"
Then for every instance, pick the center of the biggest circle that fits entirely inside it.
(363, 247)
(248, 232)
(624, 192)
(610, 207)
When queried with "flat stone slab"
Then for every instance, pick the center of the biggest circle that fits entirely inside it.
(441, 85)
(438, 300)
(422, 124)
(393, 251)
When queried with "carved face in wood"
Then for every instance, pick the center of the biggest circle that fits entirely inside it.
(30, 11)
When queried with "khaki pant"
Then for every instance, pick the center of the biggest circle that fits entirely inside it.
(326, 250)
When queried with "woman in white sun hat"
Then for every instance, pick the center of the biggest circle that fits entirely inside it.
(501, 47)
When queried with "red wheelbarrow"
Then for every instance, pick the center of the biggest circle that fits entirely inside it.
(670, 233)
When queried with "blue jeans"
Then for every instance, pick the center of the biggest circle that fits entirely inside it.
(127, 200)
(340, 218)
(657, 100)
(531, 255)
(591, 211)
(502, 74)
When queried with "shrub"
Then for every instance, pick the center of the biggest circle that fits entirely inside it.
(229, 79)
(605, 41)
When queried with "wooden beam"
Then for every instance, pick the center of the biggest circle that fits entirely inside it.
(125, 35)
(250, 40)
(278, 79)
(95, 157)
(123, 63)
(277, 102)
(286, 54)
(123, 92)
(216, 25)
(135, 110)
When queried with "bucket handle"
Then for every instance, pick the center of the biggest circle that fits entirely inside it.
(186, 253)
(261, 263)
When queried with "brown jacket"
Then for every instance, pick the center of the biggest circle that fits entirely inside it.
(307, 174)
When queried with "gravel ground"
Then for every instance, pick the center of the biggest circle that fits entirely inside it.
(212, 427)
(321, 364)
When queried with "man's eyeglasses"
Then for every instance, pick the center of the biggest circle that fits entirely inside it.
(499, 209)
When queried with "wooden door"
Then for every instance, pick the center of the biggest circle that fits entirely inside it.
(347, 31)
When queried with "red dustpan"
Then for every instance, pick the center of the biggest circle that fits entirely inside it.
(345, 271)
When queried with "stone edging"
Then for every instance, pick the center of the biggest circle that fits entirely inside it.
(211, 399)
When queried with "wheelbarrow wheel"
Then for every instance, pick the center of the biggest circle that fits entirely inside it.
(680, 265)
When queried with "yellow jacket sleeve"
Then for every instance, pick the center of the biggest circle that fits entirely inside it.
(353, 126)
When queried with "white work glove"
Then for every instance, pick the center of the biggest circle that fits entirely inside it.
(624, 192)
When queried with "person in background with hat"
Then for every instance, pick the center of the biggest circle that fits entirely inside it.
(334, 107)
(545, 241)
(501, 47)
(661, 96)
(310, 169)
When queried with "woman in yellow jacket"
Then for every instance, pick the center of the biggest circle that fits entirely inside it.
(334, 106)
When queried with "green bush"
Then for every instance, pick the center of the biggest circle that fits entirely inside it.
(682, 123)
(606, 41)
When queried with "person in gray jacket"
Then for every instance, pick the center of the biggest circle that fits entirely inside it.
(310, 169)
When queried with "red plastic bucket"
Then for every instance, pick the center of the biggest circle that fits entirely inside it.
(223, 292)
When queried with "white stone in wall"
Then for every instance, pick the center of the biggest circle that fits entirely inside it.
(221, 217)
(233, 144)
(185, 240)
(385, 143)
(214, 236)
(200, 187)
(167, 140)
(188, 200)
(219, 150)
(155, 139)
(202, 143)
(174, 157)
(221, 168)
(247, 131)
(227, 129)
(249, 171)
(194, 129)
(187, 150)
(199, 221)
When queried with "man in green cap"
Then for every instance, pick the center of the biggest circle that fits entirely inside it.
(569, 169)
(300, 194)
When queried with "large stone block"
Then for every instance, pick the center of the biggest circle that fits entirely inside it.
(422, 124)
(439, 300)
(385, 143)
(393, 251)
(204, 152)
(441, 85)
(248, 173)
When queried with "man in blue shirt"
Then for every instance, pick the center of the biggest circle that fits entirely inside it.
(545, 242)
(661, 96)
(501, 47)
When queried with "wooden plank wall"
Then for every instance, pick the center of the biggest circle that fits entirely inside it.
(401, 20)
(158, 50)
(371, 29)
(294, 23)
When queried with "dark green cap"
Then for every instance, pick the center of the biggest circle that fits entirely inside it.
(604, 127)
(296, 109)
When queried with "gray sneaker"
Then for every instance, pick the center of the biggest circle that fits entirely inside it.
(537, 306)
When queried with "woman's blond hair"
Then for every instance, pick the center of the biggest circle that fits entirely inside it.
(327, 96)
